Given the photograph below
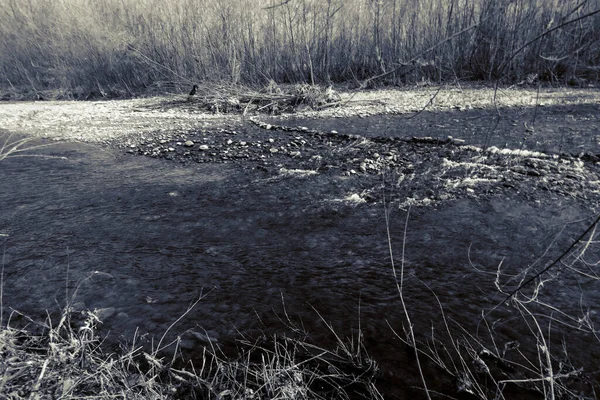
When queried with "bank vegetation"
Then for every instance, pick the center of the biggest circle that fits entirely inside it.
(111, 48)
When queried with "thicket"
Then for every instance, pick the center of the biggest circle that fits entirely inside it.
(134, 45)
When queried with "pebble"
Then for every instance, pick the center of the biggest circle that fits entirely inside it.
(188, 143)
(203, 147)
(207, 337)
(104, 313)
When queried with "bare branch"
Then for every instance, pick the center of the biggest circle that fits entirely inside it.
(283, 3)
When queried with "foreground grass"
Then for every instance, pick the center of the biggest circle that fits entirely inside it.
(65, 362)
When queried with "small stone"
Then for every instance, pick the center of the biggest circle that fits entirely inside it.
(163, 141)
(273, 150)
(229, 141)
(203, 147)
(243, 143)
(171, 149)
(334, 132)
(268, 126)
(188, 143)
(303, 128)
(78, 306)
(205, 337)
(104, 313)
(271, 140)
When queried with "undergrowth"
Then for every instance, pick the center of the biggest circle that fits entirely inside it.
(67, 360)
(119, 48)
(489, 362)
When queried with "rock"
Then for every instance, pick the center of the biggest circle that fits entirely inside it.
(273, 150)
(78, 306)
(203, 147)
(104, 313)
(206, 337)
(188, 143)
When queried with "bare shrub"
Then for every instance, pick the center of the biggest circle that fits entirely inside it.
(119, 48)
(487, 364)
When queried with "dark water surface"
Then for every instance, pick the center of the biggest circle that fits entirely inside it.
(143, 238)
(552, 129)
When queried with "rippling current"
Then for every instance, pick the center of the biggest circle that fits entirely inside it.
(141, 239)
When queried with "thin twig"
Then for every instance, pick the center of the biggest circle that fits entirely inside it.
(541, 35)
(415, 58)
(431, 99)
(556, 261)
(400, 286)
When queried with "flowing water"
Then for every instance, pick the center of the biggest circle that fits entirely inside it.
(142, 238)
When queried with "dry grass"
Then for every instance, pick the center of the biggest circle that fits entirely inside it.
(116, 48)
(63, 361)
(11, 147)
(484, 364)
(67, 360)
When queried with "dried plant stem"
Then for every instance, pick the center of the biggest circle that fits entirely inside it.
(400, 286)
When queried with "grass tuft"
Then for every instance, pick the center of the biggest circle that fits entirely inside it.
(67, 362)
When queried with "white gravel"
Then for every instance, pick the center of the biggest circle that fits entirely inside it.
(125, 120)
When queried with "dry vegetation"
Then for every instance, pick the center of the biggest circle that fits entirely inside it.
(535, 365)
(85, 48)
(66, 360)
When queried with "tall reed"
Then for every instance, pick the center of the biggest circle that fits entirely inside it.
(130, 45)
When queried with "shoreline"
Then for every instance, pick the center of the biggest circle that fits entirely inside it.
(128, 121)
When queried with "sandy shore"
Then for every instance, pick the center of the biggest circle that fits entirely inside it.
(125, 120)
